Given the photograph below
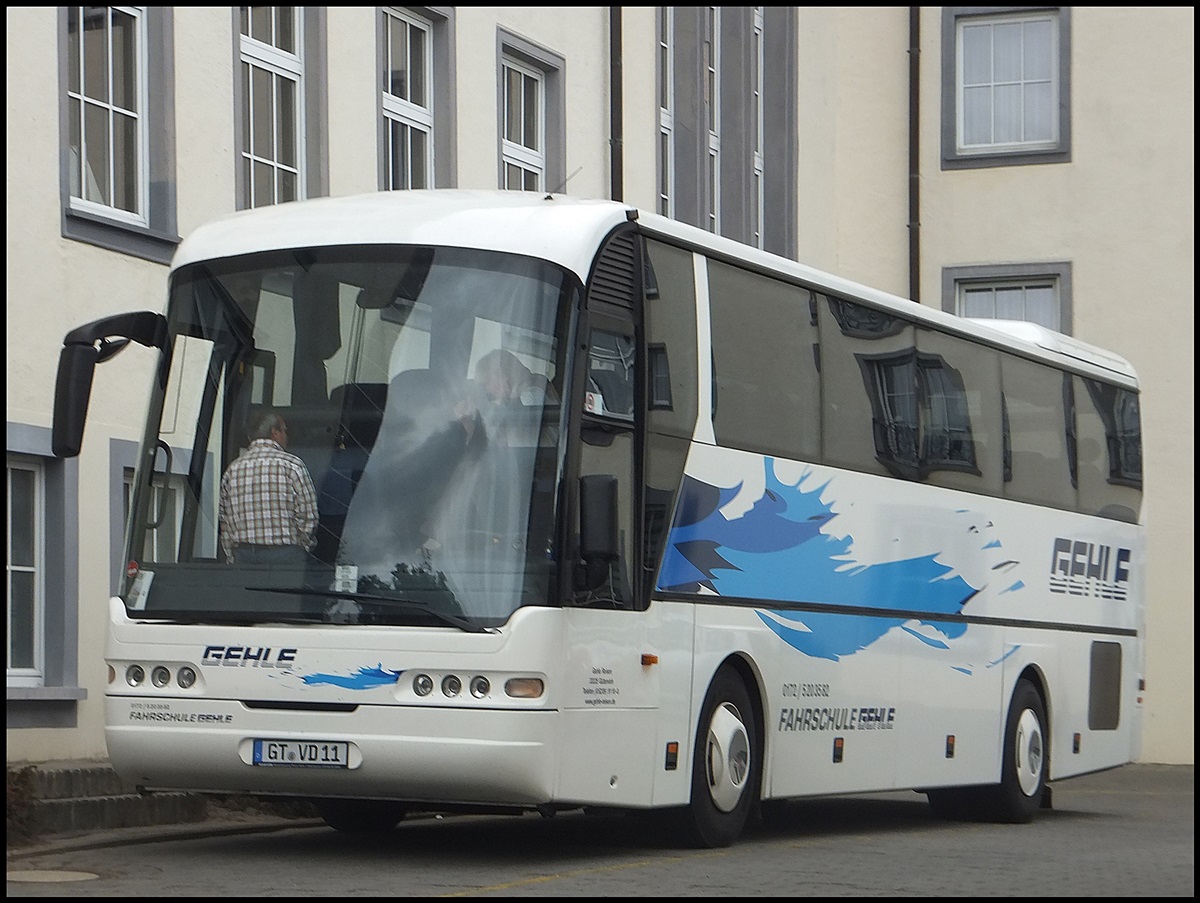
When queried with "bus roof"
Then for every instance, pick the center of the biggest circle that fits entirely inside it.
(568, 231)
(557, 228)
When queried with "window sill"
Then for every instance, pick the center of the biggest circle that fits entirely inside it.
(1004, 158)
(139, 241)
(46, 694)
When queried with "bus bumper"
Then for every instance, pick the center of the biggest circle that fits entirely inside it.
(409, 753)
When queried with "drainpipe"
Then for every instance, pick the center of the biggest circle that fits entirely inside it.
(914, 162)
(616, 130)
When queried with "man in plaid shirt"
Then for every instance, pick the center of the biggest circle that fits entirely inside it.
(268, 504)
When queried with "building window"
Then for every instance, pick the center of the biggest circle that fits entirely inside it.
(408, 100)
(756, 105)
(166, 500)
(1006, 95)
(1035, 294)
(107, 99)
(712, 107)
(272, 84)
(523, 145)
(666, 110)
(42, 573)
(25, 571)
(532, 114)
(117, 166)
(729, 142)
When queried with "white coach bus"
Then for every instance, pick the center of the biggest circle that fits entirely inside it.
(760, 533)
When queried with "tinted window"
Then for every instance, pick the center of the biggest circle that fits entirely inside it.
(766, 381)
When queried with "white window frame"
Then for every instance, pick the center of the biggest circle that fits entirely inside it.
(33, 676)
(256, 54)
(402, 110)
(80, 170)
(513, 153)
(1019, 85)
(666, 113)
(1017, 291)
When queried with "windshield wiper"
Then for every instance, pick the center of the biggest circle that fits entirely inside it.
(391, 601)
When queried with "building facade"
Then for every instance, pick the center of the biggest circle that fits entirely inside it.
(1020, 162)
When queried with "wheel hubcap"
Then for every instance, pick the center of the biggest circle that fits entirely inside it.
(727, 757)
(1029, 753)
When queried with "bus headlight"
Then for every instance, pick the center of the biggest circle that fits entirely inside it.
(160, 676)
(186, 677)
(134, 675)
(480, 686)
(422, 684)
(451, 685)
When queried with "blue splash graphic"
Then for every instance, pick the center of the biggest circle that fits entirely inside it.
(363, 679)
(777, 551)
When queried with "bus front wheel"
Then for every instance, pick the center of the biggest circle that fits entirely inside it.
(726, 762)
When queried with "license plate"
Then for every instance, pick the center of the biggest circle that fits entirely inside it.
(302, 753)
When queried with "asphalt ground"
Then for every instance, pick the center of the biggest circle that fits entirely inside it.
(1125, 832)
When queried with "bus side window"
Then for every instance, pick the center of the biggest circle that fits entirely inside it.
(769, 395)
(868, 409)
(961, 447)
(1037, 416)
(1109, 443)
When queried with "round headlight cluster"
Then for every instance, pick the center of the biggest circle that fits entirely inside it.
(160, 676)
(480, 687)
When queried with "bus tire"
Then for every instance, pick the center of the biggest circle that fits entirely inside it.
(361, 816)
(726, 763)
(1026, 759)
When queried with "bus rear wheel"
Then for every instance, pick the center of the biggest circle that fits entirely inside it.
(726, 763)
(361, 816)
(1023, 777)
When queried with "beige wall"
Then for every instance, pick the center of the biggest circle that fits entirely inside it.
(1122, 212)
(853, 125)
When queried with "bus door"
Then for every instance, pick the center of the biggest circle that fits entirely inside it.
(610, 709)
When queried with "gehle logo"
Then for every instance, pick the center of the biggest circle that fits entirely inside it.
(248, 657)
(1079, 568)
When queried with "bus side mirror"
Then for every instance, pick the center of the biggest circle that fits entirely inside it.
(83, 349)
(72, 391)
(599, 543)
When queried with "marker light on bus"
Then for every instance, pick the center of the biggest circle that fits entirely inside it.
(524, 687)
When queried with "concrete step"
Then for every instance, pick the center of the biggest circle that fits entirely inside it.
(65, 797)
(129, 810)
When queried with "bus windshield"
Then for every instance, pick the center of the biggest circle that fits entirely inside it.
(407, 401)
